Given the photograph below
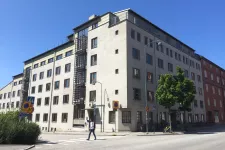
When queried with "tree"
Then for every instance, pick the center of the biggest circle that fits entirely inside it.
(185, 91)
(165, 93)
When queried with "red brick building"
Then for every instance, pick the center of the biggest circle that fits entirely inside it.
(214, 91)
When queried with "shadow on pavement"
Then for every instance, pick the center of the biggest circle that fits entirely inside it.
(207, 130)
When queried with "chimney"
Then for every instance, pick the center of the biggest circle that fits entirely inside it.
(92, 17)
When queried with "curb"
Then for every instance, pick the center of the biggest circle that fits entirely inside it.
(30, 147)
(86, 133)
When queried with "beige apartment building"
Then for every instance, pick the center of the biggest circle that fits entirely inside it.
(109, 58)
(10, 94)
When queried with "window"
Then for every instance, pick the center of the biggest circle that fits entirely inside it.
(111, 116)
(160, 63)
(46, 100)
(157, 46)
(116, 32)
(69, 53)
(5, 95)
(37, 118)
(171, 53)
(206, 87)
(57, 70)
(56, 85)
(179, 57)
(170, 67)
(3, 106)
(201, 104)
(67, 67)
(42, 63)
(137, 94)
(146, 40)
(41, 75)
(116, 92)
(213, 89)
(186, 73)
(138, 37)
(162, 50)
(20, 82)
(49, 73)
(93, 77)
(55, 100)
(150, 77)
(64, 117)
(126, 117)
(34, 77)
(136, 53)
(54, 117)
(94, 43)
(45, 117)
(9, 94)
(40, 88)
(212, 77)
(50, 60)
(208, 102)
(136, 73)
(1, 96)
(196, 103)
(167, 51)
(13, 94)
(200, 91)
(48, 86)
(65, 99)
(35, 66)
(192, 75)
(39, 102)
(116, 51)
(15, 83)
(184, 59)
(17, 104)
(210, 66)
(18, 93)
(150, 43)
(7, 105)
(33, 90)
(176, 56)
(205, 73)
(132, 34)
(187, 61)
(199, 78)
(94, 60)
(66, 83)
(220, 103)
(219, 91)
(218, 79)
(149, 59)
(92, 96)
(12, 105)
(116, 71)
(214, 102)
(139, 117)
(150, 96)
(59, 57)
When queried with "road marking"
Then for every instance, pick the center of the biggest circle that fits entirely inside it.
(48, 144)
(37, 147)
(62, 140)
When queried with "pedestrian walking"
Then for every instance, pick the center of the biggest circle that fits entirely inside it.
(91, 128)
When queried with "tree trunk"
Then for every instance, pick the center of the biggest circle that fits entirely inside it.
(170, 121)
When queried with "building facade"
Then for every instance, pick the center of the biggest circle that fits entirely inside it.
(214, 82)
(115, 57)
(10, 95)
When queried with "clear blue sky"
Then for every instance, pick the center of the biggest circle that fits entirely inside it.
(28, 28)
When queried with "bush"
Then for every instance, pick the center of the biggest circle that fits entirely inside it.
(17, 131)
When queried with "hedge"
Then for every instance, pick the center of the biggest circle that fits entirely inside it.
(17, 131)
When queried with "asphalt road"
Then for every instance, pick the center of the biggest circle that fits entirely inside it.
(202, 140)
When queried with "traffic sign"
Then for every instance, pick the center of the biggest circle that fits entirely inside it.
(115, 105)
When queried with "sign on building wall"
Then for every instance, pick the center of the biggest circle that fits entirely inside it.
(27, 107)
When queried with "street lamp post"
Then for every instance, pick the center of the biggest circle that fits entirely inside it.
(101, 101)
(145, 69)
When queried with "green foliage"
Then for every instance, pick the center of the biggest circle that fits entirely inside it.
(185, 90)
(15, 131)
(165, 93)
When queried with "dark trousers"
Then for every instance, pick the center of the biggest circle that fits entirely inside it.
(93, 131)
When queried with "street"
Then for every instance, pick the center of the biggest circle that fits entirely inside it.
(202, 140)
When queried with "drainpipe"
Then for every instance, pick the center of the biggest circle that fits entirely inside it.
(50, 106)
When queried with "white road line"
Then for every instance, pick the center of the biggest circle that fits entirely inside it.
(37, 147)
(48, 144)
(62, 140)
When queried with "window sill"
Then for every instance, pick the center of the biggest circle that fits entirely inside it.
(64, 122)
